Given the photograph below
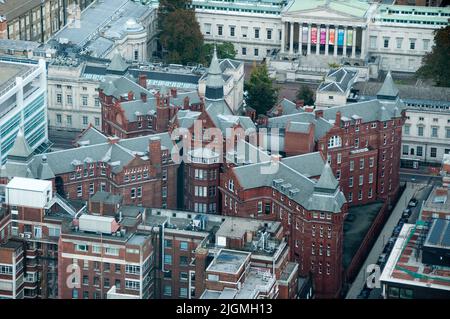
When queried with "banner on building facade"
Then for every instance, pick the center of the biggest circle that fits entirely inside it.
(331, 39)
(323, 36)
(305, 35)
(314, 35)
(340, 37)
(349, 37)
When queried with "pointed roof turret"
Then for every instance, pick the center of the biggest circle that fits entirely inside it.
(44, 171)
(214, 81)
(388, 90)
(327, 182)
(20, 149)
(117, 64)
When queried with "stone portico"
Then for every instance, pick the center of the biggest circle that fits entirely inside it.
(326, 30)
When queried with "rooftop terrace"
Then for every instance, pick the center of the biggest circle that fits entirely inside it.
(405, 264)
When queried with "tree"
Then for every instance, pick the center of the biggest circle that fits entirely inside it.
(306, 94)
(168, 6)
(261, 95)
(181, 37)
(225, 50)
(436, 64)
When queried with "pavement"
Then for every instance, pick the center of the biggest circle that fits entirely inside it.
(372, 258)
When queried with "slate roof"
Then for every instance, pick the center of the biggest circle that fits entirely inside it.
(117, 64)
(91, 136)
(337, 80)
(20, 148)
(388, 89)
(296, 184)
(214, 78)
(59, 162)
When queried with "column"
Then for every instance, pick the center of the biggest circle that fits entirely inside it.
(309, 39)
(327, 38)
(336, 29)
(300, 38)
(317, 39)
(291, 39)
(344, 52)
(354, 43)
(363, 43)
(283, 37)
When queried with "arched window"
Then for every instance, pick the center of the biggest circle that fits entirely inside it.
(334, 141)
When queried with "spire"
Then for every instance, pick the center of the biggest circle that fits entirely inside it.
(389, 90)
(214, 81)
(20, 149)
(327, 182)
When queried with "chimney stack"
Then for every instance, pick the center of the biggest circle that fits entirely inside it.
(173, 92)
(144, 97)
(143, 80)
(338, 119)
(186, 103)
(130, 96)
(319, 113)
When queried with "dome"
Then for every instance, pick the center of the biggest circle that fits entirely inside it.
(133, 26)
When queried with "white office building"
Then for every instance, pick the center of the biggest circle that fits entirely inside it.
(23, 104)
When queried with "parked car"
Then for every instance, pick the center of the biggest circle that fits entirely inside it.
(396, 231)
(406, 213)
(382, 259)
(412, 202)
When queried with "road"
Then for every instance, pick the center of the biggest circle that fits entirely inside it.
(419, 178)
(382, 239)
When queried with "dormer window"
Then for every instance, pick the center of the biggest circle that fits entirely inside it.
(231, 185)
(334, 141)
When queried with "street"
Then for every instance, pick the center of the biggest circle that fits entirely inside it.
(419, 191)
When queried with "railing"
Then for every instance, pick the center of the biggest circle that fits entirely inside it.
(65, 205)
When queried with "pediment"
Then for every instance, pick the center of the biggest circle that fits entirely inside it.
(323, 14)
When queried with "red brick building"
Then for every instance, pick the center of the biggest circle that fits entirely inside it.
(361, 141)
(129, 109)
(133, 168)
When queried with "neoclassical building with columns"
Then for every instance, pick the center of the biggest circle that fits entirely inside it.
(324, 27)
(315, 33)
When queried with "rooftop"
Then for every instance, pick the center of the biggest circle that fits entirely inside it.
(228, 261)
(438, 200)
(10, 71)
(356, 225)
(29, 184)
(405, 266)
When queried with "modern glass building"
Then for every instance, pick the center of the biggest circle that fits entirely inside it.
(23, 104)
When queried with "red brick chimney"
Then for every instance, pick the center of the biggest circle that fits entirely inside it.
(158, 99)
(143, 80)
(186, 103)
(337, 122)
(144, 97)
(173, 92)
(154, 148)
(130, 96)
(3, 27)
(319, 113)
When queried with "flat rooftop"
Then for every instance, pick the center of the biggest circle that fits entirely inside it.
(439, 234)
(405, 266)
(29, 184)
(9, 72)
(228, 261)
(438, 201)
(356, 226)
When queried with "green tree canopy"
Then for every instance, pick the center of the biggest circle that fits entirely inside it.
(306, 94)
(261, 94)
(436, 64)
(225, 50)
(181, 37)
